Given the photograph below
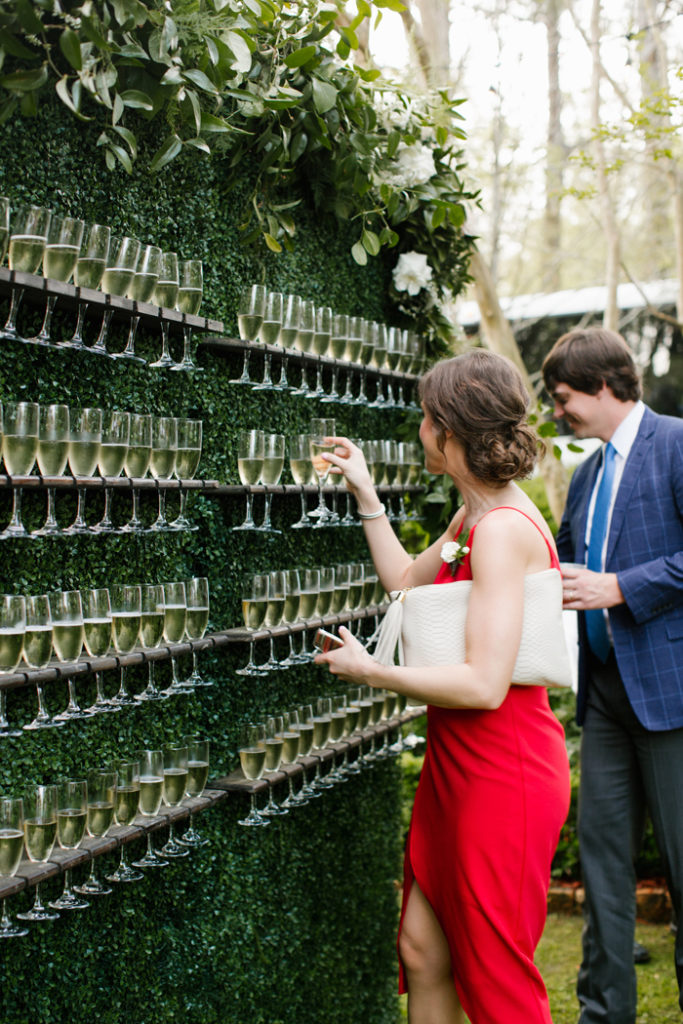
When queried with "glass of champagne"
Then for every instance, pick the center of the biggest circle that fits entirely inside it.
(141, 289)
(291, 612)
(92, 259)
(275, 727)
(112, 458)
(151, 632)
(254, 607)
(54, 433)
(301, 468)
(322, 724)
(122, 258)
(175, 784)
(328, 583)
(38, 651)
(275, 610)
(304, 341)
(165, 296)
(11, 850)
(268, 333)
(4, 226)
(321, 344)
(136, 463)
(306, 727)
(190, 288)
(250, 453)
(84, 451)
(271, 471)
(366, 350)
(175, 617)
(162, 464)
(287, 337)
(320, 431)
(310, 580)
(253, 762)
(378, 362)
(102, 800)
(151, 794)
(20, 423)
(354, 345)
(196, 622)
(66, 609)
(40, 833)
(127, 806)
(186, 465)
(290, 752)
(64, 238)
(12, 629)
(338, 341)
(72, 805)
(338, 726)
(126, 613)
(250, 310)
(97, 637)
(29, 226)
(197, 775)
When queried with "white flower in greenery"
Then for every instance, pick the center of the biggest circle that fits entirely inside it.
(412, 273)
(453, 552)
(416, 163)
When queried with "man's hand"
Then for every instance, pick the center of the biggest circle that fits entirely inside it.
(583, 589)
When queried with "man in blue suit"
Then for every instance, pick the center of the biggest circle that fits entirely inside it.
(623, 521)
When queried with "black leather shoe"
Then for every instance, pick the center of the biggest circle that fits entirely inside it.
(641, 954)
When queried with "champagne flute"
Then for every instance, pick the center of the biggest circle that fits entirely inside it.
(137, 462)
(66, 609)
(165, 296)
(388, 712)
(40, 833)
(98, 637)
(54, 432)
(369, 337)
(141, 289)
(122, 258)
(268, 333)
(338, 728)
(11, 849)
(151, 632)
(352, 725)
(354, 344)
(197, 775)
(254, 607)
(38, 651)
(175, 617)
(72, 804)
(287, 336)
(275, 609)
(12, 629)
(196, 622)
(186, 465)
(126, 613)
(326, 591)
(310, 590)
(63, 244)
(379, 355)
(175, 784)
(274, 742)
(271, 471)
(391, 472)
(321, 344)
(250, 453)
(306, 728)
(304, 340)
(151, 793)
(291, 612)
(290, 752)
(250, 310)
(111, 459)
(4, 226)
(338, 340)
(322, 723)
(321, 430)
(252, 752)
(127, 806)
(162, 464)
(191, 286)
(301, 468)
(20, 422)
(84, 451)
(90, 265)
(28, 236)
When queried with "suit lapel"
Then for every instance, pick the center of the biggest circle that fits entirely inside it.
(632, 471)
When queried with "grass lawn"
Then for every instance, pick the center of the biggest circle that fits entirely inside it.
(558, 959)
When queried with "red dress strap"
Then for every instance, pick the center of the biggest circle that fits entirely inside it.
(464, 572)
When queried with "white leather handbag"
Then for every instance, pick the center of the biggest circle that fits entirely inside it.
(427, 624)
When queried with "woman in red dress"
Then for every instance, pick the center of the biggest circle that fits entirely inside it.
(494, 788)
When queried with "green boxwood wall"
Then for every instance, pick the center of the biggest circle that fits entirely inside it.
(293, 923)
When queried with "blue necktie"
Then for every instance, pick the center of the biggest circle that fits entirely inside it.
(596, 627)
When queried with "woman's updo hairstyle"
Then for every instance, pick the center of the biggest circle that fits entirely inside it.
(481, 398)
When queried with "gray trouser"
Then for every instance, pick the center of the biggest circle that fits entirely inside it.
(625, 771)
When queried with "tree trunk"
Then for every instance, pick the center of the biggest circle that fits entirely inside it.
(552, 237)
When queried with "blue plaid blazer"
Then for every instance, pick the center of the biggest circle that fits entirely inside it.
(645, 550)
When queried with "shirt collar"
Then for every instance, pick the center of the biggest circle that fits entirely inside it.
(623, 437)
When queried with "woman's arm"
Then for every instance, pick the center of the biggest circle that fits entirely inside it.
(395, 567)
(503, 553)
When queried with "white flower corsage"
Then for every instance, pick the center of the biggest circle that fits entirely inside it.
(453, 552)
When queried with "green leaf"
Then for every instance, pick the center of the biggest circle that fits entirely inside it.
(28, 19)
(167, 152)
(359, 254)
(272, 243)
(136, 100)
(547, 430)
(212, 49)
(201, 80)
(343, 49)
(25, 81)
(299, 57)
(211, 123)
(557, 451)
(324, 95)
(128, 137)
(438, 217)
(10, 44)
(117, 109)
(367, 74)
(198, 144)
(298, 146)
(575, 448)
(370, 242)
(122, 156)
(240, 50)
(392, 143)
(71, 48)
(62, 89)
(173, 76)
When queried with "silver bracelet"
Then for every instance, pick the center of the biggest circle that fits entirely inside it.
(372, 515)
